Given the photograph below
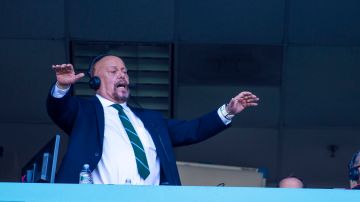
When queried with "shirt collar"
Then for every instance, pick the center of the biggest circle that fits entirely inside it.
(107, 103)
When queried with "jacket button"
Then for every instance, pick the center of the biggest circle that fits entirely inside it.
(97, 154)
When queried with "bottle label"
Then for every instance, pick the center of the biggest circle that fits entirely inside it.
(85, 179)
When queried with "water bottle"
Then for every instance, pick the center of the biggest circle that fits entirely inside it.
(128, 181)
(85, 175)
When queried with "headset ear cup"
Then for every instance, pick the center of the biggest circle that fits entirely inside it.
(94, 82)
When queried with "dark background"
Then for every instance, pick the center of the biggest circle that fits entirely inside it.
(301, 57)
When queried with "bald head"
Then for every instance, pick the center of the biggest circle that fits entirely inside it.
(114, 79)
(291, 182)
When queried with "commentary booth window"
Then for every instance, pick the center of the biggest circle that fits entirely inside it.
(149, 68)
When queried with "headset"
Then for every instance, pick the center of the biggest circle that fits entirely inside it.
(354, 171)
(94, 81)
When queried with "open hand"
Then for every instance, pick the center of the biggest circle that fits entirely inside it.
(65, 75)
(241, 101)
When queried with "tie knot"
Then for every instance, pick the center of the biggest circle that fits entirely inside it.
(117, 107)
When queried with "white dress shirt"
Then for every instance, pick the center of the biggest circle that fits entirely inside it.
(117, 164)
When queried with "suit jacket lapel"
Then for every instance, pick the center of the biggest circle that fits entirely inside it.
(99, 111)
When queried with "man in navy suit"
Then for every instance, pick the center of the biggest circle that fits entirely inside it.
(100, 139)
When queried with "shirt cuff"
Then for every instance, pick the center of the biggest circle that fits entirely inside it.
(224, 116)
(57, 92)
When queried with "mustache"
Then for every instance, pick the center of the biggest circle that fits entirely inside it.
(121, 83)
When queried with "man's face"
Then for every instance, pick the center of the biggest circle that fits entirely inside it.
(114, 79)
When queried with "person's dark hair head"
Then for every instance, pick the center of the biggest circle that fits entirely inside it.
(353, 166)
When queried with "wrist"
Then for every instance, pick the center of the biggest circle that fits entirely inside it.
(225, 112)
(61, 86)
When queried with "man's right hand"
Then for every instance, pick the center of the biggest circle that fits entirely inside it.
(65, 75)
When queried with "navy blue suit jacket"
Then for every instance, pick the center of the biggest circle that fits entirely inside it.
(83, 120)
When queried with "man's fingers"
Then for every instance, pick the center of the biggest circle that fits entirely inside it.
(255, 99)
(247, 99)
(58, 67)
(244, 94)
(79, 76)
(63, 68)
(232, 102)
(68, 67)
(55, 67)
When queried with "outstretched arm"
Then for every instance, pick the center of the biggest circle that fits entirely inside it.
(189, 132)
(61, 107)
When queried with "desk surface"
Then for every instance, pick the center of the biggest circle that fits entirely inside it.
(73, 192)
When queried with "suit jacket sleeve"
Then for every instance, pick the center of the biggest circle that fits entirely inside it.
(197, 130)
(63, 111)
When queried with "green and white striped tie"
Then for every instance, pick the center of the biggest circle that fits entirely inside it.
(140, 156)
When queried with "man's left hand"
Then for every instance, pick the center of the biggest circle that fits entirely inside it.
(241, 101)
